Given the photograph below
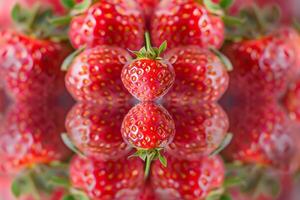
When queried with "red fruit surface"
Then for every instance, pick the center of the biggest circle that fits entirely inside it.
(148, 126)
(200, 75)
(262, 66)
(95, 75)
(30, 67)
(200, 129)
(25, 137)
(262, 135)
(109, 23)
(292, 101)
(187, 180)
(110, 180)
(148, 7)
(186, 22)
(148, 79)
(95, 130)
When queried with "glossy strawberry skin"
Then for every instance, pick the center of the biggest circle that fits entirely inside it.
(187, 180)
(261, 68)
(292, 101)
(95, 130)
(187, 22)
(200, 129)
(148, 79)
(109, 23)
(262, 135)
(30, 67)
(148, 126)
(24, 139)
(200, 75)
(118, 180)
(94, 75)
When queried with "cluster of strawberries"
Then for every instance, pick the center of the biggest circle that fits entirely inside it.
(178, 124)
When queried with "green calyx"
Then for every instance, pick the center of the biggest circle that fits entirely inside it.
(73, 10)
(148, 156)
(35, 22)
(148, 51)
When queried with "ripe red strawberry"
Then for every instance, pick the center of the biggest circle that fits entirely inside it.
(200, 129)
(187, 180)
(148, 77)
(30, 66)
(31, 135)
(200, 75)
(261, 135)
(95, 130)
(148, 7)
(292, 100)
(186, 22)
(149, 128)
(262, 66)
(95, 74)
(120, 180)
(109, 23)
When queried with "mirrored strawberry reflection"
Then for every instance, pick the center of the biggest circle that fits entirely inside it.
(96, 130)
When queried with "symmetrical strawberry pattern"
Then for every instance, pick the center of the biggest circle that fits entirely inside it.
(160, 88)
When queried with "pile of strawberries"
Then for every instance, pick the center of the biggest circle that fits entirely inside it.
(150, 80)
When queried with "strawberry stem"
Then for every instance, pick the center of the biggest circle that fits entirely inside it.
(147, 41)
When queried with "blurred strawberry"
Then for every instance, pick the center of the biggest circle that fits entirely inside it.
(261, 135)
(24, 139)
(95, 130)
(200, 75)
(200, 129)
(148, 8)
(107, 22)
(110, 180)
(187, 180)
(95, 75)
(292, 101)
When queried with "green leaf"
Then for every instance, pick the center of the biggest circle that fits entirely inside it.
(79, 195)
(215, 194)
(70, 145)
(162, 159)
(16, 188)
(296, 25)
(16, 13)
(233, 181)
(225, 197)
(59, 181)
(225, 4)
(68, 61)
(223, 145)
(68, 197)
(68, 4)
(223, 58)
(81, 7)
(162, 48)
(60, 21)
(213, 7)
(232, 21)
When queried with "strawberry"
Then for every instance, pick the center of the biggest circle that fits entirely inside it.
(109, 23)
(148, 7)
(262, 66)
(94, 75)
(24, 139)
(95, 130)
(30, 66)
(187, 180)
(200, 129)
(107, 180)
(149, 128)
(200, 75)
(291, 100)
(186, 22)
(148, 77)
(261, 135)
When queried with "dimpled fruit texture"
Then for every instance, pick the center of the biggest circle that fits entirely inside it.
(200, 129)
(186, 22)
(95, 130)
(292, 100)
(148, 79)
(200, 75)
(189, 180)
(121, 179)
(108, 22)
(95, 75)
(147, 126)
